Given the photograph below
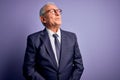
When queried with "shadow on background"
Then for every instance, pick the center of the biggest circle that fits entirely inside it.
(13, 34)
(13, 42)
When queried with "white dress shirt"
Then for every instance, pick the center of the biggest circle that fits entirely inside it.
(50, 34)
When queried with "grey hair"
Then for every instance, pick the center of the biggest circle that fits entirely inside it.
(42, 10)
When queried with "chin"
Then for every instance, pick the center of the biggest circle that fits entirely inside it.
(59, 23)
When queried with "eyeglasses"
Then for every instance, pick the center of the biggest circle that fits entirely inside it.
(54, 11)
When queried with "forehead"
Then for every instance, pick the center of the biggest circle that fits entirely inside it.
(50, 6)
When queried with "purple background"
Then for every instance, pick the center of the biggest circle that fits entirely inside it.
(96, 23)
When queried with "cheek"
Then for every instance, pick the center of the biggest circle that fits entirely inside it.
(50, 17)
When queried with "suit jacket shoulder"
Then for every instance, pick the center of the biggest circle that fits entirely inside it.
(34, 38)
(69, 35)
(35, 34)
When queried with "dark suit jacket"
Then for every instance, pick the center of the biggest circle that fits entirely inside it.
(40, 63)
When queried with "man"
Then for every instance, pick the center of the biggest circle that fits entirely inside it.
(52, 54)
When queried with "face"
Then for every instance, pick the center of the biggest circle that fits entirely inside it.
(52, 16)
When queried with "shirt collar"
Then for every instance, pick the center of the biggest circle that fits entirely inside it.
(50, 32)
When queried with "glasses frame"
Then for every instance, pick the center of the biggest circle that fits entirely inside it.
(53, 11)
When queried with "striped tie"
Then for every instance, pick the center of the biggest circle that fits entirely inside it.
(57, 46)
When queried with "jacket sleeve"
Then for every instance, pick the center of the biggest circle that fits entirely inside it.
(78, 63)
(29, 71)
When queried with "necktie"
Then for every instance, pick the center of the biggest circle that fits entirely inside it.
(57, 46)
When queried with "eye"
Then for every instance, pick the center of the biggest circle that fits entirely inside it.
(59, 10)
(52, 11)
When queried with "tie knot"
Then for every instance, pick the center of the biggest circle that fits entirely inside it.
(55, 35)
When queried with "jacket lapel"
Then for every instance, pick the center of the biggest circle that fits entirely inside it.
(46, 40)
(63, 50)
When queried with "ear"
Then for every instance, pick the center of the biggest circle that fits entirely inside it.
(43, 19)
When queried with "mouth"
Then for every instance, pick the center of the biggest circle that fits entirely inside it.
(57, 19)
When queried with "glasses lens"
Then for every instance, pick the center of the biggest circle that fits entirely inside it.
(59, 10)
(53, 11)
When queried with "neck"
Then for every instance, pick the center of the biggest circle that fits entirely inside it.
(54, 29)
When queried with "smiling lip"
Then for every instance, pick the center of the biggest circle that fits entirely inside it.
(57, 18)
